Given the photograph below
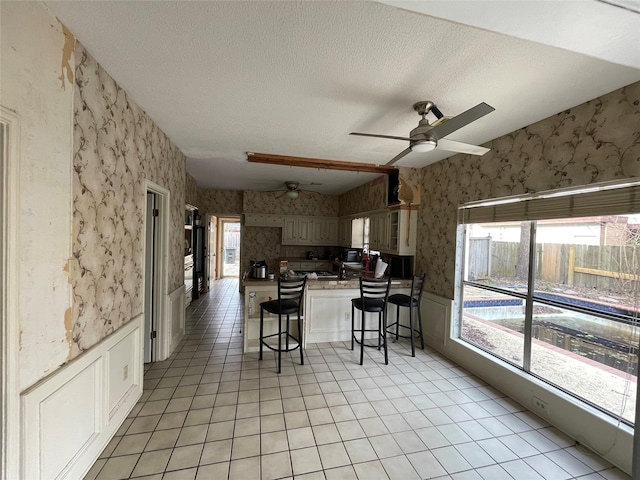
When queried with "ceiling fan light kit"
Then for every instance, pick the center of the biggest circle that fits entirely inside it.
(422, 146)
(425, 137)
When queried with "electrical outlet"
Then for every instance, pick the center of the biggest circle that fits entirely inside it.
(125, 372)
(347, 316)
(540, 405)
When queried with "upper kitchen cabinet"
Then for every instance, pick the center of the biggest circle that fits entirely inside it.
(297, 230)
(325, 231)
(263, 220)
(344, 232)
(302, 230)
(379, 231)
(403, 223)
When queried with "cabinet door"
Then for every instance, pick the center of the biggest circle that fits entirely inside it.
(290, 231)
(305, 224)
(379, 231)
(383, 232)
(319, 227)
(394, 218)
(345, 232)
(331, 230)
(373, 232)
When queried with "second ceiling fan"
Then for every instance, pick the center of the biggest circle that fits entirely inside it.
(426, 137)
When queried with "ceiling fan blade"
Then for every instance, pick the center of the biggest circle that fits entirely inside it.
(406, 151)
(459, 147)
(380, 136)
(459, 121)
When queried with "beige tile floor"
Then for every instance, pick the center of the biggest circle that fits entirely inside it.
(210, 412)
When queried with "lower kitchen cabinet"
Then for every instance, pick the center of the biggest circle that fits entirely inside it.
(254, 295)
(326, 310)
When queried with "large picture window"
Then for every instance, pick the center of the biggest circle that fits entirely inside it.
(551, 285)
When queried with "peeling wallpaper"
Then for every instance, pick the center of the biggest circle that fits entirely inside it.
(116, 147)
(594, 142)
(219, 202)
(373, 195)
(34, 49)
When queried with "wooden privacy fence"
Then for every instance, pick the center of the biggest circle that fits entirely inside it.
(613, 268)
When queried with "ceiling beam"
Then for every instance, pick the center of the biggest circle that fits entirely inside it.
(318, 163)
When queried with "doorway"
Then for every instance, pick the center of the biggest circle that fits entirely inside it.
(151, 277)
(230, 247)
(157, 332)
(212, 267)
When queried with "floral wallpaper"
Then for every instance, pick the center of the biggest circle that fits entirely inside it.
(116, 146)
(219, 202)
(191, 190)
(276, 202)
(594, 142)
(370, 196)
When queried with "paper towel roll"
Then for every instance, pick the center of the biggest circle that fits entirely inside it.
(381, 267)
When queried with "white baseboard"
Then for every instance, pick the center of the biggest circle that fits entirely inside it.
(69, 417)
(176, 309)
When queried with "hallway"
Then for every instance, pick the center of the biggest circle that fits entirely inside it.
(212, 413)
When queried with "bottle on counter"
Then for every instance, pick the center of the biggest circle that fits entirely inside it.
(343, 272)
(365, 261)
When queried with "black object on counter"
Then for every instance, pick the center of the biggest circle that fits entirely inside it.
(343, 272)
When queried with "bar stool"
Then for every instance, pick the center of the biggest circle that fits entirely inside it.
(373, 298)
(289, 302)
(411, 301)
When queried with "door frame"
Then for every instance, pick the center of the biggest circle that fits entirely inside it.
(163, 324)
(220, 246)
(212, 239)
(9, 306)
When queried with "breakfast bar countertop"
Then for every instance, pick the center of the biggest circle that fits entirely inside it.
(327, 283)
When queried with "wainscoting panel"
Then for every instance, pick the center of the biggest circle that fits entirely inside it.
(69, 417)
(176, 309)
(327, 316)
(436, 318)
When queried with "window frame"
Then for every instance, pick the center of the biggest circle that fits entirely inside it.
(605, 191)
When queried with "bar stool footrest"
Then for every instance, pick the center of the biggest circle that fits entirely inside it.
(272, 344)
(416, 332)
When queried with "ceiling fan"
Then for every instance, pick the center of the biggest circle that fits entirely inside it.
(293, 190)
(426, 137)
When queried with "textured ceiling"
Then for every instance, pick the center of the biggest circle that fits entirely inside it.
(294, 78)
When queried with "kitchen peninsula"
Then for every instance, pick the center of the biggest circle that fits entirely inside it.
(326, 309)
